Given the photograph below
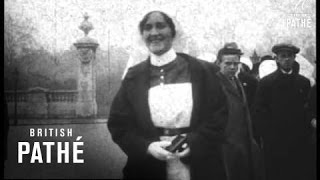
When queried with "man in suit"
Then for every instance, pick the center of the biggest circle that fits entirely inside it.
(241, 152)
(280, 117)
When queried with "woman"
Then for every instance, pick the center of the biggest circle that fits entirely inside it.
(169, 94)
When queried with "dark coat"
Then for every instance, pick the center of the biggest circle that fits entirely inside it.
(132, 129)
(312, 111)
(280, 119)
(312, 114)
(312, 103)
(242, 155)
(249, 84)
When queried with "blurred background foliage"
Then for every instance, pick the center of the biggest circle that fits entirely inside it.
(39, 36)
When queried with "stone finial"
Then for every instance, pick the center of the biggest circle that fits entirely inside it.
(86, 26)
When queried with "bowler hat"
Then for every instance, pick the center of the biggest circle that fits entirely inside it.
(285, 46)
(229, 48)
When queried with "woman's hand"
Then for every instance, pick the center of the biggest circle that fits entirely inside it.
(157, 150)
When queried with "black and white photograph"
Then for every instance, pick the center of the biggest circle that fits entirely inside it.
(160, 89)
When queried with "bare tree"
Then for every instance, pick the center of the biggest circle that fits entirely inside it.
(18, 37)
(18, 40)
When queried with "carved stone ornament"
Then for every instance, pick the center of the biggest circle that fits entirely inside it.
(86, 26)
(86, 41)
(86, 55)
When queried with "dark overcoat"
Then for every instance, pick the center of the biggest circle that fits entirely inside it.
(132, 129)
(280, 119)
(249, 84)
(243, 157)
(312, 114)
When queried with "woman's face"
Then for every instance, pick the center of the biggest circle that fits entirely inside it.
(157, 34)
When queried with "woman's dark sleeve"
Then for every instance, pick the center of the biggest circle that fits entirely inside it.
(213, 113)
(208, 133)
(122, 126)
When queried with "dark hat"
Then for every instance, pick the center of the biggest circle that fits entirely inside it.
(285, 46)
(229, 48)
(266, 57)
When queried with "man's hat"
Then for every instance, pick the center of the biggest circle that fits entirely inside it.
(229, 48)
(285, 46)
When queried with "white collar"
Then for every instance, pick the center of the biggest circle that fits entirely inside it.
(163, 59)
(284, 72)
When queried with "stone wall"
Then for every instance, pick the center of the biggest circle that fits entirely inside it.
(43, 103)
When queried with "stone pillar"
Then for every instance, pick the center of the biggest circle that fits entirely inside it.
(86, 47)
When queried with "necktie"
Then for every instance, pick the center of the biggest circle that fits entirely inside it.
(233, 82)
(236, 84)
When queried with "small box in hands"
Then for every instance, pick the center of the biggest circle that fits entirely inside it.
(176, 144)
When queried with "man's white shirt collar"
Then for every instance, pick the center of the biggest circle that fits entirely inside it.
(163, 59)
